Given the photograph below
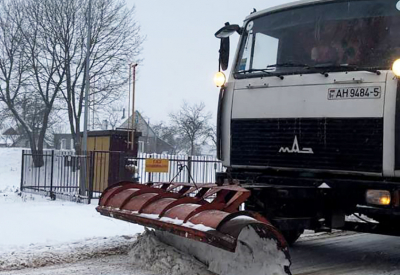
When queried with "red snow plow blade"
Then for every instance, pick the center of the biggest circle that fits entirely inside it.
(206, 213)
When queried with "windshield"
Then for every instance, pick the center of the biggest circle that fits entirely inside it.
(332, 36)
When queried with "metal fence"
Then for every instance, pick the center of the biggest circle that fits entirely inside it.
(182, 168)
(61, 174)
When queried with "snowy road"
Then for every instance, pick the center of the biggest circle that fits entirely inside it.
(113, 265)
(345, 255)
(364, 254)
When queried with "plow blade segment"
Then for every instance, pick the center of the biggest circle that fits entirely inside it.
(189, 215)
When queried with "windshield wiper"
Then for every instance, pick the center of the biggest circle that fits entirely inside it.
(347, 67)
(288, 65)
(294, 65)
(323, 69)
(266, 71)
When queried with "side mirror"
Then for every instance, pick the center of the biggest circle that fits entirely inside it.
(224, 53)
(224, 34)
(227, 31)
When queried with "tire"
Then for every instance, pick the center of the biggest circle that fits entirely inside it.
(292, 236)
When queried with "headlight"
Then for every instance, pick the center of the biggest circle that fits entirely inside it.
(219, 79)
(396, 67)
(378, 197)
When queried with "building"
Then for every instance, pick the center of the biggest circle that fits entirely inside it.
(149, 142)
(63, 142)
(23, 142)
(8, 137)
(16, 138)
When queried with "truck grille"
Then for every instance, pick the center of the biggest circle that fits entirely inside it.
(349, 144)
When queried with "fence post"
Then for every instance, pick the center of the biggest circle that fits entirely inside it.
(22, 170)
(150, 175)
(189, 168)
(91, 176)
(52, 196)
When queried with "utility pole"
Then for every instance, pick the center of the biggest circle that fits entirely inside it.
(82, 189)
(133, 105)
(129, 100)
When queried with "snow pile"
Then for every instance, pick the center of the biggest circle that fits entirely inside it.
(149, 253)
(360, 218)
(253, 254)
(38, 256)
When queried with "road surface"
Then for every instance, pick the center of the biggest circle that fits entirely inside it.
(361, 254)
(364, 254)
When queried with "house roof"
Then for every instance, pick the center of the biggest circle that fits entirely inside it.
(10, 132)
(24, 139)
(4, 140)
(141, 126)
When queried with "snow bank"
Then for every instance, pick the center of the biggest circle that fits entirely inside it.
(151, 254)
(38, 256)
(253, 255)
(27, 219)
(32, 220)
(35, 231)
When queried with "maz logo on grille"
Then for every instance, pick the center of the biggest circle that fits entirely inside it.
(296, 149)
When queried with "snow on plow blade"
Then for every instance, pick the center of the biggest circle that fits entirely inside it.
(204, 212)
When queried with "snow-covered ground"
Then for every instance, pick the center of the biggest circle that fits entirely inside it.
(36, 231)
(10, 168)
(31, 224)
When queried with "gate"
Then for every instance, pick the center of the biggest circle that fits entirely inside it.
(60, 174)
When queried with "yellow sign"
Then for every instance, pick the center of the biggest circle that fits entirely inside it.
(157, 165)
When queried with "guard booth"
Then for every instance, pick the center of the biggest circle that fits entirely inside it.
(108, 151)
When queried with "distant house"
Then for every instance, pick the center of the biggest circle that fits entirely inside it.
(23, 142)
(16, 138)
(4, 142)
(7, 137)
(149, 142)
(11, 132)
(63, 142)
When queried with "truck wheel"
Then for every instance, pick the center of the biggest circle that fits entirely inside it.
(292, 236)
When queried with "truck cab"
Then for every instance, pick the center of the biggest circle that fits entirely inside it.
(309, 119)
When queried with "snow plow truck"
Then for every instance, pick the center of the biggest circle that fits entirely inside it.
(308, 129)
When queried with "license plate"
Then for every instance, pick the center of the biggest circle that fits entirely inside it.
(354, 93)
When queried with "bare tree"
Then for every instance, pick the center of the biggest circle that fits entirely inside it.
(113, 114)
(212, 135)
(191, 123)
(6, 117)
(12, 63)
(42, 53)
(31, 76)
(168, 134)
(115, 41)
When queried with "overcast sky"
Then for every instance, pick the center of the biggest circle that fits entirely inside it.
(180, 51)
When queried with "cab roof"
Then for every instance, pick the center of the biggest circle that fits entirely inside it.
(290, 5)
